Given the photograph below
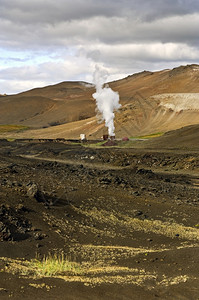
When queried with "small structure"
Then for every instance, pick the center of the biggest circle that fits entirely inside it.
(125, 139)
(82, 137)
(105, 137)
(110, 143)
(112, 137)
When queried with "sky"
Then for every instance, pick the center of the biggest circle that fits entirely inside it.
(45, 42)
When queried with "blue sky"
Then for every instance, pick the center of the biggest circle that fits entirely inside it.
(46, 42)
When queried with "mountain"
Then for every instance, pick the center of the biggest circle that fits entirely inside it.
(151, 102)
(52, 105)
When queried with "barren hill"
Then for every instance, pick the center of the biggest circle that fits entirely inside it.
(53, 105)
(184, 138)
(151, 102)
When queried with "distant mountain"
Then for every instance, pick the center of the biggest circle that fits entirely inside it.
(151, 102)
(49, 106)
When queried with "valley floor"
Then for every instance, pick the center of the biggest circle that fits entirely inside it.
(127, 217)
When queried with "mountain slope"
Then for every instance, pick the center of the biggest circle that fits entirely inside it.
(183, 138)
(184, 79)
(62, 103)
(151, 102)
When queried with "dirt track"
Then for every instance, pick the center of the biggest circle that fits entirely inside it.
(129, 215)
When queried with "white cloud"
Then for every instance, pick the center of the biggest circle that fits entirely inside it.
(126, 54)
(119, 60)
(18, 79)
(51, 41)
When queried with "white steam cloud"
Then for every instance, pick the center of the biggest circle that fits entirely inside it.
(106, 99)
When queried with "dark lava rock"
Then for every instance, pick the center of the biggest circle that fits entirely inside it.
(104, 180)
(137, 213)
(2, 210)
(13, 225)
(32, 190)
(149, 173)
(21, 208)
(118, 180)
(39, 236)
(136, 193)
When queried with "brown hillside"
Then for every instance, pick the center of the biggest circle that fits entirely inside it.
(62, 103)
(184, 79)
(183, 138)
(151, 102)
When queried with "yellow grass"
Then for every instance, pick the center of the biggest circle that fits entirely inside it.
(91, 276)
(11, 128)
(94, 145)
(49, 266)
(55, 264)
(149, 136)
(156, 226)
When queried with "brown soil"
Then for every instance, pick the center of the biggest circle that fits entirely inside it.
(184, 138)
(129, 215)
(49, 106)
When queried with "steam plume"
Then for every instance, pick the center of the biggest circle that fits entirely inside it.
(106, 99)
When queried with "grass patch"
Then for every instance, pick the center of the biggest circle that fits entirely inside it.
(125, 144)
(95, 274)
(49, 266)
(52, 265)
(99, 274)
(119, 144)
(11, 128)
(149, 136)
(94, 145)
(168, 229)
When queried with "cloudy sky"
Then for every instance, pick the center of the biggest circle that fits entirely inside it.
(48, 41)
